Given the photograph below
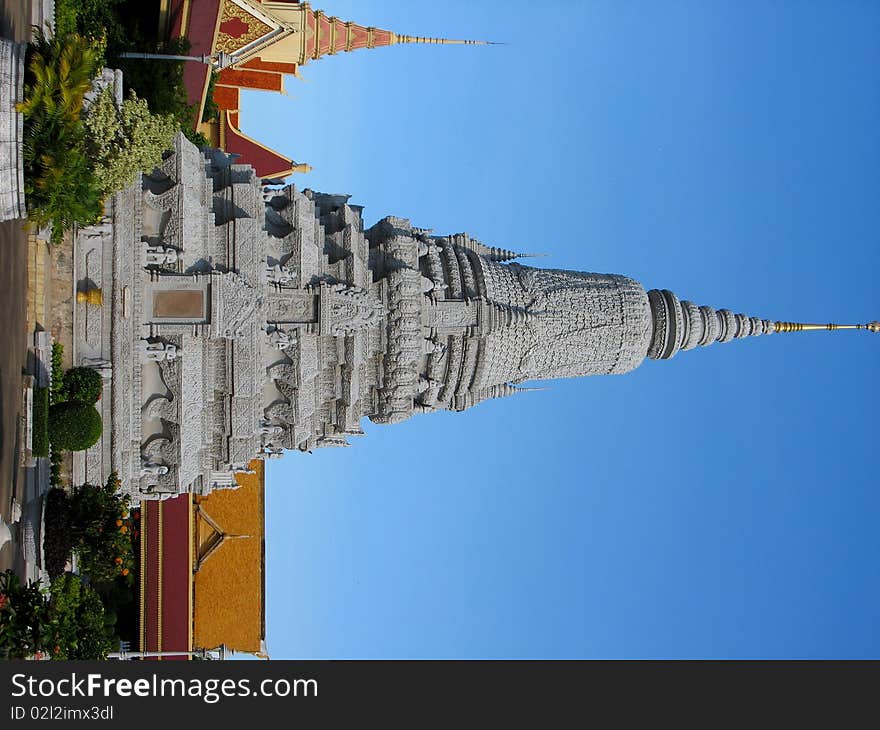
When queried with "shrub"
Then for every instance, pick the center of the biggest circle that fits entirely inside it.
(66, 16)
(74, 426)
(67, 622)
(56, 461)
(56, 394)
(211, 110)
(160, 82)
(59, 73)
(92, 19)
(77, 622)
(83, 385)
(102, 532)
(59, 186)
(60, 191)
(40, 424)
(125, 141)
(24, 617)
(58, 538)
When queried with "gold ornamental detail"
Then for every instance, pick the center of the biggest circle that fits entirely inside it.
(236, 17)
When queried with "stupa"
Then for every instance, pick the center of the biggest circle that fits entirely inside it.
(244, 321)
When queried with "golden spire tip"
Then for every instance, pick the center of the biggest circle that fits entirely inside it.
(800, 327)
(443, 41)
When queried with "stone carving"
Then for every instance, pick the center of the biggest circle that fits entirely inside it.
(161, 449)
(279, 275)
(161, 256)
(235, 304)
(297, 307)
(332, 441)
(160, 407)
(346, 309)
(280, 339)
(158, 351)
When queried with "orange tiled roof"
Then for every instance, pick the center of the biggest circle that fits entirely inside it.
(229, 581)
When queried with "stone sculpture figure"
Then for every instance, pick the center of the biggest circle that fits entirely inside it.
(158, 351)
(161, 256)
(279, 274)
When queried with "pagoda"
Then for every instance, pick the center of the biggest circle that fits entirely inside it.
(245, 321)
(267, 39)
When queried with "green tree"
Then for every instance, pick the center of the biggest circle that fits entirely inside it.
(24, 617)
(67, 621)
(77, 619)
(59, 184)
(125, 141)
(59, 73)
(102, 529)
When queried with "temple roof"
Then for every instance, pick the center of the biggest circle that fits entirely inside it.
(165, 575)
(267, 163)
(229, 579)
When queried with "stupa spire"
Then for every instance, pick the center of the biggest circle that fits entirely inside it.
(802, 327)
(682, 325)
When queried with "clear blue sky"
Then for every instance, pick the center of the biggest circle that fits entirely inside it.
(723, 504)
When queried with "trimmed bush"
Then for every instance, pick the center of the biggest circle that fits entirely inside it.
(74, 426)
(40, 430)
(56, 462)
(56, 395)
(83, 385)
(58, 538)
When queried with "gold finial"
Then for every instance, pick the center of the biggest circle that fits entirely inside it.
(396, 38)
(799, 327)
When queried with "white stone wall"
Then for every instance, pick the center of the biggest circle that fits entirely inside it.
(11, 171)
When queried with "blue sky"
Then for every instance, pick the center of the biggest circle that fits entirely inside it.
(722, 504)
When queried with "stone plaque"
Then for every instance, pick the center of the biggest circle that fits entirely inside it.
(179, 304)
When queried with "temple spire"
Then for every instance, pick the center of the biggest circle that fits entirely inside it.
(397, 38)
(501, 390)
(327, 35)
(682, 325)
(493, 253)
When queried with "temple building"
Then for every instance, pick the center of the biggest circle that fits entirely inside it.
(202, 571)
(268, 39)
(241, 321)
